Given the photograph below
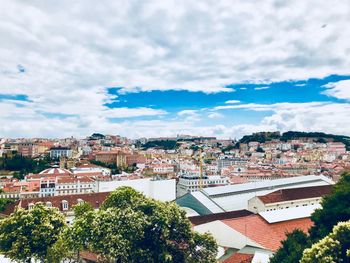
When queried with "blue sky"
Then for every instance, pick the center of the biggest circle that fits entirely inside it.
(160, 68)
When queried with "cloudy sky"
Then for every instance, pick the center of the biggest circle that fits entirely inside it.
(161, 68)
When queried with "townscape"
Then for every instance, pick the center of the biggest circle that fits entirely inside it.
(174, 131)
(268, 181)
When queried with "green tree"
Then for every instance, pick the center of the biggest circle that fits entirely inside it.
(292, 248)
(4, 202)
(335, 208)
(129, 227)
(335, 247)
(28, 234)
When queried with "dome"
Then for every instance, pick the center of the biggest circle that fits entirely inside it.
(55, 171)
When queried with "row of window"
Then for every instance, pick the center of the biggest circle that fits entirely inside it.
(64, 204)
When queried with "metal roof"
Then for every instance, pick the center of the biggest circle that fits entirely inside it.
(207, 202)
(264, 185)
(289, 213)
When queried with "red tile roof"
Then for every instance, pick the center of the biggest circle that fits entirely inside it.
(202, 219)
(268, 235)
(295, 194)
(239, 258)
(95, 199)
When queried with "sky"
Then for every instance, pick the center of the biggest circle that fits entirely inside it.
(161, 68)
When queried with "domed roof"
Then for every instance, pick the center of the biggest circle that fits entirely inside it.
(55, 171)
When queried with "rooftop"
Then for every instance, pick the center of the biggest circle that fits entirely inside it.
(257, 229)
(283, 195)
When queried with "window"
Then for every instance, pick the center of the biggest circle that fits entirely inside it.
(30, 206)
(64, 205)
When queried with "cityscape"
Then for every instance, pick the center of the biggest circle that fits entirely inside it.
(166, 131)
(271, 180)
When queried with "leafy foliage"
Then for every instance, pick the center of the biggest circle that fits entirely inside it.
(260, 137)
(23, 165)
(291, 135)
(129, 227)
(4, 202)
(166, 145)
(27, 234)
(292, 248)
(114, 168)
(335, 247)
(335, 208)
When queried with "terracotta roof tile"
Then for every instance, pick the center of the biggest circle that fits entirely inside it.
(202, 219)
(239, 258)
(265, 234)
(95, 199)
(295, 194)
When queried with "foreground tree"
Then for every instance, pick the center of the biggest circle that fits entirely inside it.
(29, 234)
(292, 248)
(335, 208)
(131, 228)
(335, 247)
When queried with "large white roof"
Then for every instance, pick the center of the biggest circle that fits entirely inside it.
(289, 213)
(267, 185)
(207, 202)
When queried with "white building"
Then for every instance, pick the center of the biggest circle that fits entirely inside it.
(162, 190)
(192, 182)
(57, 152)
(235, 197)
(163, 168)
(289, 198)
(227, 162)
(89, 168)
(71, 185)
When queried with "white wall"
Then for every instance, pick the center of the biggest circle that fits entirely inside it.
(225, 236)
(163, 190)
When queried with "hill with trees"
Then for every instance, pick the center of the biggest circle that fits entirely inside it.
(263, 137)
(21, 165)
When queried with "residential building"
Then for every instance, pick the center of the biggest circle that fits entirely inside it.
(192, 182)
(57, 152)
(288, 198)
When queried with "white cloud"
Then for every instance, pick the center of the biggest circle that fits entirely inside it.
(132, 112)
(189, 115)
(261, 88)
(232, 101)
(71, 50)
(339, 90)
(215, 115)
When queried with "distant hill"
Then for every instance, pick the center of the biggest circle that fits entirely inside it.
(292, 135)
(166, 145)
(260, 137)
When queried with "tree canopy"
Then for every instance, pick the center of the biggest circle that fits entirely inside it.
(292, 248)
(27, 234)
(24, 165)
(335, 247)
(335, 209)
(130, 227)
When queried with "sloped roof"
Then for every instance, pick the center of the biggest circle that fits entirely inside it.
(239, 258)
(202, 219)
(95, 199)
(268, 235)
(291, 213)
(283, 195)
